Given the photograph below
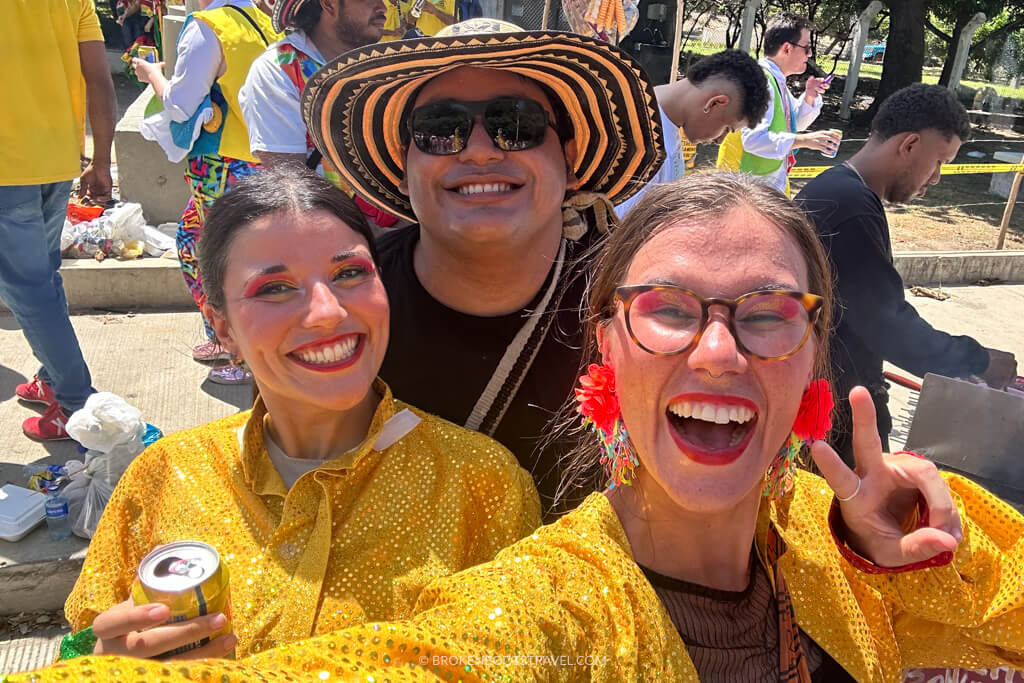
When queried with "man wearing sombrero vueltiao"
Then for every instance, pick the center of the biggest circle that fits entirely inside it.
(508, 148)
(314, 31)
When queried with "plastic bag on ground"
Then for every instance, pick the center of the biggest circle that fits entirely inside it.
(95, 500)
(157, 243)
(89, 239)
(106, 421)
(113, 432)
(127, 222)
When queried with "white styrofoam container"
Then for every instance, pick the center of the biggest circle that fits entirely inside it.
(21, 510)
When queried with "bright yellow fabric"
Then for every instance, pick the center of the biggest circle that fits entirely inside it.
(427, 22)
(730, 152)
(42, 119)
(569, 603)
(353, 540)
(241, 46)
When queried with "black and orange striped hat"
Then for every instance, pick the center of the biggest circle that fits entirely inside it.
(284, 13)
(354, 105)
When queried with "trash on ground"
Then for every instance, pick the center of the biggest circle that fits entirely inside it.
(936, 294)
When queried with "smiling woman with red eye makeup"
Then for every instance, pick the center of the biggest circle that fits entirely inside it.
(330, 502)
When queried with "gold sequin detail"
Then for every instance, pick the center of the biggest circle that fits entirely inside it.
(355, 539)
(568, 603)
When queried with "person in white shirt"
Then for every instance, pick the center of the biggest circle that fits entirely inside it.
(315, 31)
(202, 122)
(719, 94)
(768, 148)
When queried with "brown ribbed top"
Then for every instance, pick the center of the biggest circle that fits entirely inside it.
(732, 637)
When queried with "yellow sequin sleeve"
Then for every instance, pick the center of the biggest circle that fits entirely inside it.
(971, 606)
(123, 537)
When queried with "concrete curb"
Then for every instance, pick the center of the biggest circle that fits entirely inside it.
(959, 267)
(37, 574)
(141, 284)
(157, 284)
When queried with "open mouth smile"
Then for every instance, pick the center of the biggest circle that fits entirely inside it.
(711, 429)
(330, 354)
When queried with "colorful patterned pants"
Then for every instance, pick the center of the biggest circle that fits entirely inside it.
(208, 177)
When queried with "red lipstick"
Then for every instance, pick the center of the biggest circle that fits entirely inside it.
(698, 450)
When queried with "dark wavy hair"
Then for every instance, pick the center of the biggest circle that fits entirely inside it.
(744, 72)
(919, 107)
(287, 188)
(307, 17)
(784, 28)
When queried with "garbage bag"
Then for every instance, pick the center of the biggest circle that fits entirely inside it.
(95, 500)
(126, 222)
(89, 239)
(106, 421)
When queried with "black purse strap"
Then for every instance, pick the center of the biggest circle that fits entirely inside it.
(252, 23)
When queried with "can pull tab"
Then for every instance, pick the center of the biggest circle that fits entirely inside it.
(395, 428)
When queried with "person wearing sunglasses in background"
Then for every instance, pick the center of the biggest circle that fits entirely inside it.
(767, 149)
(314, 31)
(510, 168)
(721, 93)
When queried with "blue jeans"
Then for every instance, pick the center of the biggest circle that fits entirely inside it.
(31, 219)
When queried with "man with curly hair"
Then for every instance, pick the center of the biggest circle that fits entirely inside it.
(916, 130)
(721, 93)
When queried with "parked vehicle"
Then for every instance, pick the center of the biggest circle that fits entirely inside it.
(874, 53)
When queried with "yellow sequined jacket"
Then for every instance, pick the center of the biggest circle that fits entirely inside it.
(353, 540)
(569, 603)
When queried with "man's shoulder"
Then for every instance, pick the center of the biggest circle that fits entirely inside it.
(838, 195)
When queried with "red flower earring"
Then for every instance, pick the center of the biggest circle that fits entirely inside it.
(600, 409)
(812, 423)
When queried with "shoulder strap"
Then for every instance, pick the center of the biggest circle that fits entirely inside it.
(251, 23)
(313, 160)
(515, 363)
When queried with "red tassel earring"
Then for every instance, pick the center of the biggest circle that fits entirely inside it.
(599, 407)
(813, 421)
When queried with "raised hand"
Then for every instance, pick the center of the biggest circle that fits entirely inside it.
(878, 499)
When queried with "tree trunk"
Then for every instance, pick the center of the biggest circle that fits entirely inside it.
(904, 50)
(947, 64)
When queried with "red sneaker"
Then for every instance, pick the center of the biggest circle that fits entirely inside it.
(48, 427)
(36, 391)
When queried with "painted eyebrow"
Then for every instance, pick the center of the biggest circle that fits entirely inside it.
(337, 258)
(345, 255)
(766, 286)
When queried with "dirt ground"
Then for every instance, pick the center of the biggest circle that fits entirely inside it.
(958, 214)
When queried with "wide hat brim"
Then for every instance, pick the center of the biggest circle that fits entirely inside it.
(353, 106)
(284, 13)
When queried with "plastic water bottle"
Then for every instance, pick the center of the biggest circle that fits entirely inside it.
(57, 520)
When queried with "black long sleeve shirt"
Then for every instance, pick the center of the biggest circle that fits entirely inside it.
(875, 321)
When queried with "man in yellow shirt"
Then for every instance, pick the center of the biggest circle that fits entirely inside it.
(414, 18)
(54, 62)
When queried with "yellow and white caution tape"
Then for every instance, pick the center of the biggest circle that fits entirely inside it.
(947, 169)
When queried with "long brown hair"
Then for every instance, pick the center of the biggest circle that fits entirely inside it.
(697, 198)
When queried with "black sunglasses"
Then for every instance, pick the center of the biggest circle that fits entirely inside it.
(514, 124)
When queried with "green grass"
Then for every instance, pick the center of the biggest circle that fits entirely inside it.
(873, 70)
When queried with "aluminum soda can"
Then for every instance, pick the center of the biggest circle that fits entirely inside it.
(188, 577)
(832, 154)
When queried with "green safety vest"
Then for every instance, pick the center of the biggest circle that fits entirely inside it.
(751, 163)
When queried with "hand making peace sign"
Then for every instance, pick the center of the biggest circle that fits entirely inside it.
(878, 498)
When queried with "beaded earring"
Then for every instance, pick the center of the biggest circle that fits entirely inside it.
(599, 407)
(812, 423)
